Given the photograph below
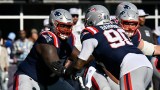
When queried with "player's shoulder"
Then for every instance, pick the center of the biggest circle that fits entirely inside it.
(48, 37)
(48, 33)
(91, 29)
(88, 33)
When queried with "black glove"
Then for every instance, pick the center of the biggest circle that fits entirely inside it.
(58, 68)
(71, 71)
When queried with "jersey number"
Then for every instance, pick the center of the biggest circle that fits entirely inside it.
(117, 38)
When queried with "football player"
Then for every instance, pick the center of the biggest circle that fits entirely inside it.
(125, 16)
(39, 71)
(110, 45)
(128, 20)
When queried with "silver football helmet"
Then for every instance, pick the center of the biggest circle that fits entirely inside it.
(124, 6)
(129, 22)
(96, 15)
(61, 23)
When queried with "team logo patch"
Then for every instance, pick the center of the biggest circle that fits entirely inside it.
(126, 7)
(57, 13)
(48, 38)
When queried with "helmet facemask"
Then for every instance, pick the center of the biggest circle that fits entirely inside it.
(129, 26)
(129, 21)
(63, 30)
(61, 23)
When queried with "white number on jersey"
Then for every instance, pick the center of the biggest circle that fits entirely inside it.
(117, 38)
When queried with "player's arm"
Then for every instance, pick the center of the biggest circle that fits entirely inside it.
(149, 48)
(48, 53)
(157, 50)
(84, 57)
(85, 36)
(74, 55)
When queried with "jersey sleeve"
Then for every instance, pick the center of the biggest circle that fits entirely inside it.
(88, 47)
(85, 35)
(88, 44)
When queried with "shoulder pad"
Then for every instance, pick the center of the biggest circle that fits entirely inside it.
(49, 36)
(92, 30)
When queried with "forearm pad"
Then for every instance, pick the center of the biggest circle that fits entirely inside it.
(57, 68)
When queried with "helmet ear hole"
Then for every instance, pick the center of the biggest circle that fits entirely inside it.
(88, 23)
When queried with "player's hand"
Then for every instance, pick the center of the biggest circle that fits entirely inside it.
(58, 69)
(71, 72)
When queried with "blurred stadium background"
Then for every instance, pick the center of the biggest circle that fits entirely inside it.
(16, 15)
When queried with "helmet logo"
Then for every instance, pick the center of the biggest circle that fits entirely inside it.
(126, 7)
(57, 13)
(122, 13)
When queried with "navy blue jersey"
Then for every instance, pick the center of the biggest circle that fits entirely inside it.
(113, 45)
(35, 67)
(136, 38)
